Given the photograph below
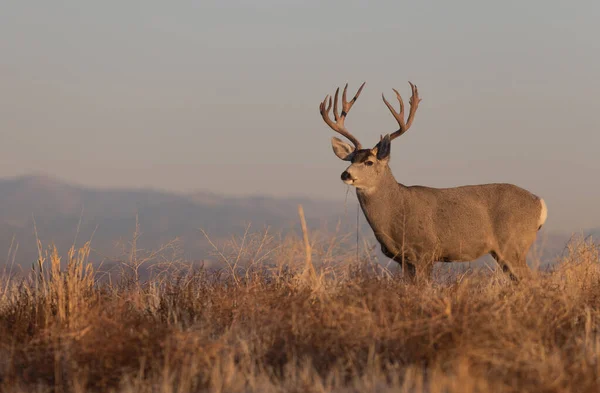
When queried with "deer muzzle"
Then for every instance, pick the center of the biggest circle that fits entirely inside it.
(347, 177)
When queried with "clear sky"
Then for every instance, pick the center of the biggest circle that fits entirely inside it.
(223, 95)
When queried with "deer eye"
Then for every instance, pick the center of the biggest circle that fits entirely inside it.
(368, 163)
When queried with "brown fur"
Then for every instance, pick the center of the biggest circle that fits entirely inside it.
(419, 225)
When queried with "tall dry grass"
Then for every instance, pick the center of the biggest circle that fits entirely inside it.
(268, 322)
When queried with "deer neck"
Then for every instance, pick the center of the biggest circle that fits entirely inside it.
(376, 202)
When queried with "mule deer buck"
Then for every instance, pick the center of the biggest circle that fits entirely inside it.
(418, 225)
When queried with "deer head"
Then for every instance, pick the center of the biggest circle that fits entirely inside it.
(367, 165)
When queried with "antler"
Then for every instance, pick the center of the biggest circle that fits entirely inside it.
(338, 126)
(414, 104)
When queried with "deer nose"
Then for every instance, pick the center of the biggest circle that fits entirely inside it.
(346, 176)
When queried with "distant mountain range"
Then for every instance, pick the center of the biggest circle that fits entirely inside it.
(63, 212)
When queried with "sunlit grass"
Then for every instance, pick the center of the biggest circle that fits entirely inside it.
(268, 322)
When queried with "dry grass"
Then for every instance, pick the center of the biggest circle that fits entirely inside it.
(271, 327)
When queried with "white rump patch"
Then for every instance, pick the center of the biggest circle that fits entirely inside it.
(543, 214)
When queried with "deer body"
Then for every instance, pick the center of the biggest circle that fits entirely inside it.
(418, 225)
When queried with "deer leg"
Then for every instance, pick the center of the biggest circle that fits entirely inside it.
(504, 265)
(423, 272)
(520, 268)
(409, 270)
(516, 267)
(417, 272)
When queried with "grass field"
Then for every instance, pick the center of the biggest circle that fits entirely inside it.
(271, 322)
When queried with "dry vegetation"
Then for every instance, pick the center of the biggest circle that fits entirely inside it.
(267, 323)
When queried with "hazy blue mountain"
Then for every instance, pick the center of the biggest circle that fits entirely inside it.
(109, 215)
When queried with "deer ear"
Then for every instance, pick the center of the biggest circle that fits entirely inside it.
(383, 147)
(341, 149)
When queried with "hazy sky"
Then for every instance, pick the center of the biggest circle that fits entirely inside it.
(223, 95)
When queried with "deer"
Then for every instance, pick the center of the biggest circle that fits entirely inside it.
(417, 225)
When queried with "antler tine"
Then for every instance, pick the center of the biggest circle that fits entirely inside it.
(353, 100)
(414, 104)
(338, 125)
(399, 116)
(335, 106)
